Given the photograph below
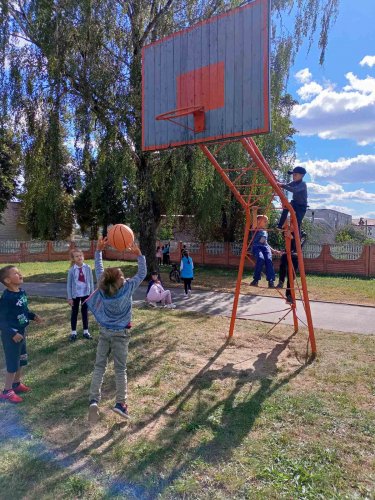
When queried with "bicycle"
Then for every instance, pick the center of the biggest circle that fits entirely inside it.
(174, 275)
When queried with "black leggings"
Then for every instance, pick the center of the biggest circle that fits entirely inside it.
(75, 309)
(283, 271)
(187, 284)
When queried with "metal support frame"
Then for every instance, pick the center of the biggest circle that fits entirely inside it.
(245, 201)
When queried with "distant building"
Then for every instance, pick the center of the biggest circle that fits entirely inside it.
(10, 227)
(325, 223)
(335, 219)
(366, 225)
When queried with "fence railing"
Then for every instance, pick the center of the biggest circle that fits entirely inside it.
(343, 258)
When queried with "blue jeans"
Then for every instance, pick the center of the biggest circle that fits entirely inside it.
(263, 257)
(300, 211)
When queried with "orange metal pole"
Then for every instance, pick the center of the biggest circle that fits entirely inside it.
(223, 175)
(250, 145)
(291, 278)
(240, 272)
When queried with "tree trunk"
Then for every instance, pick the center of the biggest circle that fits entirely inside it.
(146, 214)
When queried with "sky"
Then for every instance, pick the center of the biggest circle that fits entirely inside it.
(335, 114)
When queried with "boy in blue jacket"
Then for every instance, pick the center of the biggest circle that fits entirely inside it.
(14, 318)
(111, 304)
(262, 252)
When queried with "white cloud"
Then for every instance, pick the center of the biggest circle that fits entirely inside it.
(330, 113)
(366, 86)
(338, 208)
(309, 90)
(332, 193)
(360, 168)
(368, 61)
(303, 76)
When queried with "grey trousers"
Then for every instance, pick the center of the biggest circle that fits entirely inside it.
(117, 342)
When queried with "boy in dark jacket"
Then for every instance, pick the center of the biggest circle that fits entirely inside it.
(14, 318)
(299, 200)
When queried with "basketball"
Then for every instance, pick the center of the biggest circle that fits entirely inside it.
(120, 237)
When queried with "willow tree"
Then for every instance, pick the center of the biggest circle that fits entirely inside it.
(94, 46)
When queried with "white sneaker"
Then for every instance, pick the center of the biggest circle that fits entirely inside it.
(186, 296)
(189, 293)
(93, 413)
(170, 306)
(152, 304)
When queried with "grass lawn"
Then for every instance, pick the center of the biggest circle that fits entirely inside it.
(210, 419)
(348, 289)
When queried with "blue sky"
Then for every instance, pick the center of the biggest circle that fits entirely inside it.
(335, 116)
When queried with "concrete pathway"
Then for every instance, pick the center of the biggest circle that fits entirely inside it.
(326, 315)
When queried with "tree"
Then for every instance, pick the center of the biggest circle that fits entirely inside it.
(350, 234)
(92, 51)
(9, 167)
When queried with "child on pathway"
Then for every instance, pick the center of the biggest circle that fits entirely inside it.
(299, 200)
(14, 318)
(156, 293)
(111, 304)
(79, 286)
(187, 272)
(159, 255)
(263, 253)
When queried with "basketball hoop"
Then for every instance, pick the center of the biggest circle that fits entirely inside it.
(196, 111)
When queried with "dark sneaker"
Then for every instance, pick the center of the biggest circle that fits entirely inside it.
(271, 284)
(254, 283)
(94, 414)
(121, 409)
(87, 336)
(10, 396)
(73, 337)
(280, 285)
(21, 388)
(289, 299)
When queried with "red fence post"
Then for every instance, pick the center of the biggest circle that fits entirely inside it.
(23, 251)
(49, 251)
(203, 252)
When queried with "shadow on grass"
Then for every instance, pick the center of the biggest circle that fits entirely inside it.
(229, 422)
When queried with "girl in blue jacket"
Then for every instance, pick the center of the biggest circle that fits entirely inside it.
(111, 304)
(187, 272)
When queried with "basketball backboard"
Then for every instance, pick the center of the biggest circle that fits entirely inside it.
(209, 82)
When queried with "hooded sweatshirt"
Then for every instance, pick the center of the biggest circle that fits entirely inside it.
(115, 312)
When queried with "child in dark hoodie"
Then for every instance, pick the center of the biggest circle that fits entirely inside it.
(111, 304)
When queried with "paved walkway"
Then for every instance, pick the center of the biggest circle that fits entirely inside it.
(328, 316)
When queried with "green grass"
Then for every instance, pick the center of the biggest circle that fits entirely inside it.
(348, 289)
(245, 419)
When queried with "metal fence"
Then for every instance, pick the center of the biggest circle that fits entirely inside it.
(9, 247)
(346, 251)
(215, 248)
(312, 250)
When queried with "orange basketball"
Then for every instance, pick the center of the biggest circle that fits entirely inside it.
(120, 237)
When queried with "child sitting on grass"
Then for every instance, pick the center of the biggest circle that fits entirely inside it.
(156, 293)
(263, 253)
(111, 304)
(14, 318)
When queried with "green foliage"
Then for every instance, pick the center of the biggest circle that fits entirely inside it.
(9, 167)
(350, 233)
(47, 207)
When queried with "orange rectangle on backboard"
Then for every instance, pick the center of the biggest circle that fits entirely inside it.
(202, 87)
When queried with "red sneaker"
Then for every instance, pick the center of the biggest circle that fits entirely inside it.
(21, 388)
(10, 396)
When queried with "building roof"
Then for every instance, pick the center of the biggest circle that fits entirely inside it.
(370, 222)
